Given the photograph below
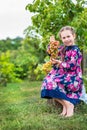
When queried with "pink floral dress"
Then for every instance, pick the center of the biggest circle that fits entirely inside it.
(65, 81)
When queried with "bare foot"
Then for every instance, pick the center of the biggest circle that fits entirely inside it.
(70, 110)
(63, 112)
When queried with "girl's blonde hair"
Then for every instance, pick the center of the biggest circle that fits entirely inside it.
(66, 28)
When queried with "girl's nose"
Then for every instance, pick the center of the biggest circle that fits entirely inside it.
(66, 39)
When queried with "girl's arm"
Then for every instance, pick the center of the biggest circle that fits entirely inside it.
(73, 60)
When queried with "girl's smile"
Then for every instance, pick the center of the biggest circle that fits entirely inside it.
(67, 37)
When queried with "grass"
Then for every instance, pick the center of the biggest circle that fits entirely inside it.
(21, 108)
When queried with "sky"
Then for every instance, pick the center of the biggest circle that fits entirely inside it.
(14, 19)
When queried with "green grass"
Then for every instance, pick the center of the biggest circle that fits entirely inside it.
(21, 108)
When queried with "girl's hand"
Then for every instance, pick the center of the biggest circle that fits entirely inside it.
(54, 61)
(52, 39)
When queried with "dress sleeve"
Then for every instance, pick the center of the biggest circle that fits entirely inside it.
(72, 60)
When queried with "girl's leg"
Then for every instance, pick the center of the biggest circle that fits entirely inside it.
(64, 106)
(69, 108)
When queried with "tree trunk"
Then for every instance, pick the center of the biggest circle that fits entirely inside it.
(54, 102)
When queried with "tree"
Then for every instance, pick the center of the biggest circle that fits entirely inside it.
(50, 15)
(7, 69)
(10, 44)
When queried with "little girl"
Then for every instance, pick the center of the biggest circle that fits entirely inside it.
(64, 83)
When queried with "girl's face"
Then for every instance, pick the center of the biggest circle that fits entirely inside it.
(67, 37)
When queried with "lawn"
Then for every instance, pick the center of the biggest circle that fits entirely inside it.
(21, 108)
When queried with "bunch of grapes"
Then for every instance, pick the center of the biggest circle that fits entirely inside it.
(53, 52)
(53, 49)
(47, 67)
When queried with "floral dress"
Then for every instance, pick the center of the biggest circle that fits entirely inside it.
(65, 81)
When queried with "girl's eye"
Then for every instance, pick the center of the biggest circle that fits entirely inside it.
(63, 37)
(68, 36)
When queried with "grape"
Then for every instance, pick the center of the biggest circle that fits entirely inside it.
(53, 51)
(47, 66)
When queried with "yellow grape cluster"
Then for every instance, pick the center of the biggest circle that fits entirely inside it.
(47, 67)
(53, 51)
